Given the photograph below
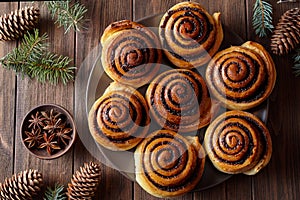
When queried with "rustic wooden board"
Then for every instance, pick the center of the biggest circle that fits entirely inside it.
(31, 93)
(280, 179)
(7, 105)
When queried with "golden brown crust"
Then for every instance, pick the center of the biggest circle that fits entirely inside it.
(241, 77)
(179, 100)
(168, 164)
(238, 142)
(118, 26)
(119, 119)
(131, 53)
(190, 36)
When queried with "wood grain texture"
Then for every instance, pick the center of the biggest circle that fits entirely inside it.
(280, 179)
(151, 7)
(232, 15)
(31, 93)
(7, 105)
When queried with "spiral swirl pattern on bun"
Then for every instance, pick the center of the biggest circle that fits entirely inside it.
(119, 119)
(168, 164)
(190, 36)
(241, 77)
(238, 142)
(131, 53)
(179, 100)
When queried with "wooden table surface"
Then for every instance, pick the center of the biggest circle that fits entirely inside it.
(279, 180)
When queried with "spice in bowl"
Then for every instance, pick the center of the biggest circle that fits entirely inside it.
(48, 131)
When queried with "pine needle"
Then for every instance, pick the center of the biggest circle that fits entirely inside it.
(32, 59)
(296, 66)
(57, 193)
(70, 16)
(262, 18)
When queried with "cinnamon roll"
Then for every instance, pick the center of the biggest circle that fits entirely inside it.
(179, 100)
(190, 36)
(119, 119)
(167, 164)
(241, 77)
(238, 142)
(131, 53)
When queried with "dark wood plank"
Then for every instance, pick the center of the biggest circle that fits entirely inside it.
(216, 192)
(31, 93)
(233, 15)
(113, 185)
(7, 105)
(280, 179)
(151, 7)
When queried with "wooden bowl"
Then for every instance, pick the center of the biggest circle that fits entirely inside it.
(65, 117)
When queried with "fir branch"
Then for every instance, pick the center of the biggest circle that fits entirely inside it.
(52, 67)
(57, 193)
(68, 15)
(286, 1)
(262, 18)
(296, 66)
(31, 49)
(32, 59)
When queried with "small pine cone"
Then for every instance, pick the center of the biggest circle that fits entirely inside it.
(84, 182)
(286, 35)
(22, 186)
(18, 22)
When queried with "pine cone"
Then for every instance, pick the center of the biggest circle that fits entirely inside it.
(23, 186)
(286, 36)
(15, 24)
(84, 182)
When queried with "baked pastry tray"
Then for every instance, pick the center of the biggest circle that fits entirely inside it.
(95, 81)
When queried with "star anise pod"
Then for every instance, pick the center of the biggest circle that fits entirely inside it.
(33, 138)
(62, 135)
(54, 125)
(52, 117)
(49, 144)
(36, 121)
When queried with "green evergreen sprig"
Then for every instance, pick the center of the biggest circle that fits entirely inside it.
(31, 58)
(67, 14)
(58, 193)
(296, 66)
(262, 20)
